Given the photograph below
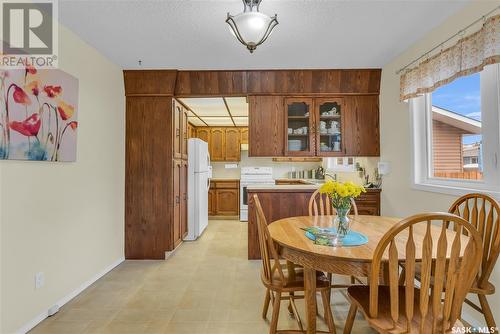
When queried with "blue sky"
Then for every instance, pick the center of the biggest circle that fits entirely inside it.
(462, 96)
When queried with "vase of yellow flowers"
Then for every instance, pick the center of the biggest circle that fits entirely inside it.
(341, 196)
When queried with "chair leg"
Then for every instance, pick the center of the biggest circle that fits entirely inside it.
(330, 279)
(296, 313)
(267, 300)
(350, 319)
(328, 311)
(290, 307)
(276, 313)
(488, 315)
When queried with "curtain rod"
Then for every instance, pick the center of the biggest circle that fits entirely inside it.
(450, 38)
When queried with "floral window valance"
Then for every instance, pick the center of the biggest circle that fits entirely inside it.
(469, 55)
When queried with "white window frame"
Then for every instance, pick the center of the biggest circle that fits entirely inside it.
(421, 125)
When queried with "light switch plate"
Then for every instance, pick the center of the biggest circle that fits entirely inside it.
(384, 168)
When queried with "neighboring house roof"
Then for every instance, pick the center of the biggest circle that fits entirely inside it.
(451, 118)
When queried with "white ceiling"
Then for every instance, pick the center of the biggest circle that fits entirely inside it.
(192, 34)
(213, 111)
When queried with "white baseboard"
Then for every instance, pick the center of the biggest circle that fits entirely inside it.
(39, 318)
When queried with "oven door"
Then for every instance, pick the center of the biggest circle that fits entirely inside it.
(243, 196)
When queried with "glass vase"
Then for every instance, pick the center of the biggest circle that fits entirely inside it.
(342, 224)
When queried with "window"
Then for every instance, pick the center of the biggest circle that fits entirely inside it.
(456, 129)
(456, 134)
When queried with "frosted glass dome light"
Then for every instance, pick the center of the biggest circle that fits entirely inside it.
(251, 27)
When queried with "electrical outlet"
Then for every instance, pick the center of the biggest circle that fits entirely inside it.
(39, 280)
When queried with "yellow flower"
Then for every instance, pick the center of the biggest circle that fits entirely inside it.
(338, 189)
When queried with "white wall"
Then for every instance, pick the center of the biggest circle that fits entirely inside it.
(66, 219)
(398, 197)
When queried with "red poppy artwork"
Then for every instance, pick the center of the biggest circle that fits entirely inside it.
(38, 115)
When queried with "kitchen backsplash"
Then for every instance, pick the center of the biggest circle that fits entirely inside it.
(281, 169)
(369, 163)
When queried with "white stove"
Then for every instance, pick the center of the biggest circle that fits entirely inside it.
(252, 176)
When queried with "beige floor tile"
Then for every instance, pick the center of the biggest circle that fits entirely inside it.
(206, 287)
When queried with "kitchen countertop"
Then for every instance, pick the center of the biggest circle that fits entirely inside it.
(305, 184)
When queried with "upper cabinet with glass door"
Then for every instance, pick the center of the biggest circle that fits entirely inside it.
(329, 126)
(300, 126)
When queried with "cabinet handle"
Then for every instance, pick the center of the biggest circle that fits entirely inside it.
(184, 197)
(177, 132)
(177, 199)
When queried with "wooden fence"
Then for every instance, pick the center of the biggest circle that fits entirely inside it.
(467, 175)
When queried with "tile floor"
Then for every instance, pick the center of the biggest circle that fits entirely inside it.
(207, 286)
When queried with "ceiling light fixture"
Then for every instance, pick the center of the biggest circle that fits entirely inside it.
(251, 27)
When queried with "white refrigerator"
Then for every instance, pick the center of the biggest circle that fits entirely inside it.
(199, 174)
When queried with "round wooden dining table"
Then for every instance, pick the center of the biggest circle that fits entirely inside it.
(345, 260)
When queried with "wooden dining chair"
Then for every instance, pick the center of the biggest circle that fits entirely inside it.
(483, 212)
(430, 308)
(280, 283)
(320, 205)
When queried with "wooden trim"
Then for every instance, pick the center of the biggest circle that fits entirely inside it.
(228, 110)
(191, 110)
(203, 83)
(297, 159)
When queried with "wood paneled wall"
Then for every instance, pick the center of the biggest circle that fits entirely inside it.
(252, 82)
(148, 178)
(149, 82)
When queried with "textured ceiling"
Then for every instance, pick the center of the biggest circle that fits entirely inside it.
(188, 34)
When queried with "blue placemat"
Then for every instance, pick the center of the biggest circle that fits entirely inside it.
(320, 236)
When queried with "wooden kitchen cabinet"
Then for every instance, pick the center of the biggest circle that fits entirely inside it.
(227, 202)
(203, 134)
(224, 198)
(180, 131)
(183, 179)
(177, 216)
(266, 126)
(224, 143)
(211, 201)
(184, 134)
(177, 129)
(329, 126)
(232, 143)
(314, 126)
(191, 131)
(300, 127)
(217, 145)
(362, 135)
(244, 135)
(155, 177)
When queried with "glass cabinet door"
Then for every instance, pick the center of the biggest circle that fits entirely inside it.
(329, 126)
(299, 126)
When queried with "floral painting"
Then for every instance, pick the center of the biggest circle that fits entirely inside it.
(38, 115)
